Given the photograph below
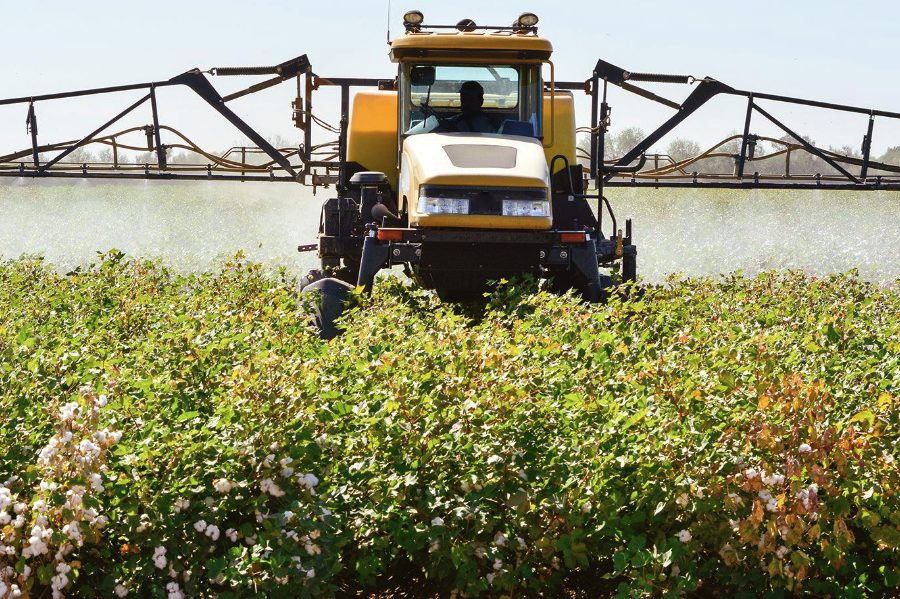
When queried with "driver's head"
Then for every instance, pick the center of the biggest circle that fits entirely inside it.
(471, 97)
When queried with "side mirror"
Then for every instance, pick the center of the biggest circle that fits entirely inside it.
(422, 76)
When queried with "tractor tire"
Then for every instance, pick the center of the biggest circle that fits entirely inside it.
(317, 274)
(326, 300)
(598, 294)
(629, 269)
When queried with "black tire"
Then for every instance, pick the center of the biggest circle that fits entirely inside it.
(600, 293)
(629, 268)
(326, 300)
(317, 274)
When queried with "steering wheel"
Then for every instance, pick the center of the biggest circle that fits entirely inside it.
(442, 121)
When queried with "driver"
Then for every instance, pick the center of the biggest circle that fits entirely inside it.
(472, 118)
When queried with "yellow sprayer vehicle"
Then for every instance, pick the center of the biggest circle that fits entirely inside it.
(464, 168)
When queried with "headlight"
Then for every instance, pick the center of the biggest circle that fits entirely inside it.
(526, 208)
(442, 205)
(486, 200)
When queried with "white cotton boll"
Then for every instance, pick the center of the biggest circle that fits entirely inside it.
(683, 500)
(772, 505)
(781, 552)
(232, 534)
(14, 592)
(250, 541)
(735, 498)
(115, 436)
(751, 473)
(89, 448)
(174, 591)
(287, 472)
(222, 485)
(181, 504)
(500, 539)
(308, 480)
(72, 531)
(490, 577)
(804, 448)
(101, 401)
(435, 545)
(311, 573)
(773, 479)
(480, 552)
(765, 495)
(288, 515)
(97, 482)
(159, 557)
(269, 486)
(5, 518)
(684, 536)
(212, 531)
(100, 521)
(494, 459)
(286, 461)
(3, 589)
(437, 521)
(498, 564)
(200, 525)
(66, 437)
(121, 590)
(144, 523)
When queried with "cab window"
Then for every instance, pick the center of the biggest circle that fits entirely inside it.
(478, 98)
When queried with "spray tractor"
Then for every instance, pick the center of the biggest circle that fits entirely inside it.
(464, 167)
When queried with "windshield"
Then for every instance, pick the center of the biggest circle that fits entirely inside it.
(480, 98)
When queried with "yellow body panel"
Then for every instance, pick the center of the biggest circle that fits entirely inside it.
(426, 163)
(372, 135)
(563, 130)
(475, 41)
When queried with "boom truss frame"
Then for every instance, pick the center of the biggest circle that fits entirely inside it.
(325, 164)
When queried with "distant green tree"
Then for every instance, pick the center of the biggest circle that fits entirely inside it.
(892, 156)
(682, 149)
(618, 145)
(80, 156)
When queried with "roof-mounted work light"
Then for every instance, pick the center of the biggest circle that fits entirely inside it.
(526, 19)
(466, 26)
(413, 19)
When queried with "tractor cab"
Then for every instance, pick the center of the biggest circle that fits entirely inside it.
(470, 126)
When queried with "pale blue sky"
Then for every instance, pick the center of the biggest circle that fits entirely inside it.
(834, 51)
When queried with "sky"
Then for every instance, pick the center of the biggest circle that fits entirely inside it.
(826, 50)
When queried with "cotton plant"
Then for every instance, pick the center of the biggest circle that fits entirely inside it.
(52, 512)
